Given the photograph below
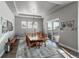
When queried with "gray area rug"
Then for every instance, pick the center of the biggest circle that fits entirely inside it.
(50, 51)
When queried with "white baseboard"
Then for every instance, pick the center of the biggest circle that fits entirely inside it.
(69, 47)
(1, 54)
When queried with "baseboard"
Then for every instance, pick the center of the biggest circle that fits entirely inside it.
(2, 54)
(69, 47)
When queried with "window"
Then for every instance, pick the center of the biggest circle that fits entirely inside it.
(29, 24)
(55, 25)
(49, 25)
(35, 25)
(24, 24)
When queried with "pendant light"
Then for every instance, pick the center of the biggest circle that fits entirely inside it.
(33, 24)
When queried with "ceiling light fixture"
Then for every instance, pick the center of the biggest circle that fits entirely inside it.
(33, 23)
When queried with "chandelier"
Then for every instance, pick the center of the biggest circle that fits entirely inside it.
(33, 29)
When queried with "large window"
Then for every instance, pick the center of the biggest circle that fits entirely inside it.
(55, 25)
(35, 25)
(29, 24)
(23, 24)
(49, 25)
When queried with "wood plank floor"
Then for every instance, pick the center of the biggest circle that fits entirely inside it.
(70, 51)
(50, 51)
(12, 53)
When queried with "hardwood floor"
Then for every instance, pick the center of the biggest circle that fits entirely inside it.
(70, 51)
(12, 53)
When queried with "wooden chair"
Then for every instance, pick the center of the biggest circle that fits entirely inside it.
(44, 38)
(30, 43)
(13, 41)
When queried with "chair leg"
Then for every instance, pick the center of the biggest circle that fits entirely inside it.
(28, 47)
(38, 44)
(45, 44)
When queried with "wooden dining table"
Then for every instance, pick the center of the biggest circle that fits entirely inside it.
(37, 38)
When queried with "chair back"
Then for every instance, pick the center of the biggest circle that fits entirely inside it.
(27, 40)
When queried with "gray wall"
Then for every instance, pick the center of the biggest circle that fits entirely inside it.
(6, 13)
(68, 38)
(21, 31)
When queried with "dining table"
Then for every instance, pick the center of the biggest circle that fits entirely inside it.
(37, 38)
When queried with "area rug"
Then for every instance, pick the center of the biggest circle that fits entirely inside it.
(42, 52)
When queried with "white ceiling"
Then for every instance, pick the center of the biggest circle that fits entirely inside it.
(34, 7)
(37, 7)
